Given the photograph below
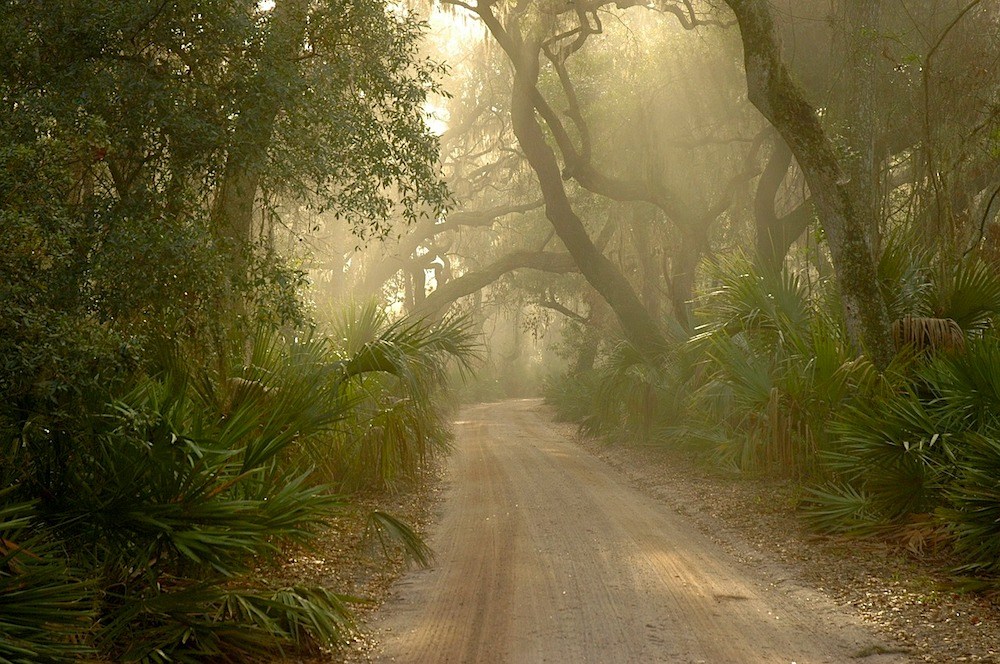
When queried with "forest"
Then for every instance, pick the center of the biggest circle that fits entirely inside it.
(259, 256)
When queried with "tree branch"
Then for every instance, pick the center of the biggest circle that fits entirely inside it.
(428, 229)
(470, 282)
(565, 311)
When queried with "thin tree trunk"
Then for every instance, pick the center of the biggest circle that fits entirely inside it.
(642, 243)
(684, 268)
(775, 234)
(863, 21)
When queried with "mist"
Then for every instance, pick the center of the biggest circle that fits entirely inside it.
(499, 331)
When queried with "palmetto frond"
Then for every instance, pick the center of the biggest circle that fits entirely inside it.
(967, 293)
(414, 351)
(974, 512)
(45, 610)
(183, 621)
(392, 376)
(750, 299)
(840, 508)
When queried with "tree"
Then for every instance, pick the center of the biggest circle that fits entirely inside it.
(773, 91)
(204, 113)
(154, 442)
(906, 112)
(333, 116)
(549, 36)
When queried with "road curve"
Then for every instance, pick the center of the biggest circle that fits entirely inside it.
(546, 554)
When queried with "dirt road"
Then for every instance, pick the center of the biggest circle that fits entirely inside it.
(545, 554)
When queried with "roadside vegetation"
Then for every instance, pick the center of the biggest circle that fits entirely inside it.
(176, 409)
(246, 247)
(770, 386)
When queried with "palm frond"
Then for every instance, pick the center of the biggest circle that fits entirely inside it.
(898, 450)
(967, 293)
(753, 300)
(904, 274)
(840, 508)
(967, 385)
(974, 512)
(392, 533)
(45, 610)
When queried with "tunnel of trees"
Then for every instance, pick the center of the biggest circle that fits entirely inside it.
(249, 247)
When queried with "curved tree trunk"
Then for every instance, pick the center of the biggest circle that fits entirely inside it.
(684, 269)
(771, 89)
(775, 234)
(637, 324)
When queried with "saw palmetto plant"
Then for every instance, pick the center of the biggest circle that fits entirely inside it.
(46, 606)
(143, 545)
(391, 372)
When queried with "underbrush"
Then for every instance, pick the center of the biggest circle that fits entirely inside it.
(770, 385)
(131, 527)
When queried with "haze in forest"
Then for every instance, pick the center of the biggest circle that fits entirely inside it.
(260, 260)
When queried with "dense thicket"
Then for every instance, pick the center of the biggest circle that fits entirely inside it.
(172, 413)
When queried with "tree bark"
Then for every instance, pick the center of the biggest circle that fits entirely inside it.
(428, 228)
(471, 282)
(684, 269)
(232, 210)
(642, 243)
(863, 21)
(775, 234)
(640, 328)
(771, 89)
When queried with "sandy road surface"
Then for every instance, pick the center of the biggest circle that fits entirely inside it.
(545, 554)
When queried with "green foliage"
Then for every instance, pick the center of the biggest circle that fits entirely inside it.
(973, 515)
(211, 623)
(392, 374)
(356, 142)
(927, 451)
(158, 438)
(966, 385)
(779, 368)
(169, 498)
(119, 121)
(840, 508)
(629, 397)
(917, 281)
(572, 395)
(896, 450)
(173, 495)
(638, 398)
(390, 532)
(147, 98)
(770, 384)
(968, 293)
(45, 610)
(747, 298)
(904, 270)
(913, 444)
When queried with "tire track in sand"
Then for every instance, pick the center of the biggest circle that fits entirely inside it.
(545, 554)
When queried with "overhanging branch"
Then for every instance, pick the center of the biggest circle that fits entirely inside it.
(470, 282)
